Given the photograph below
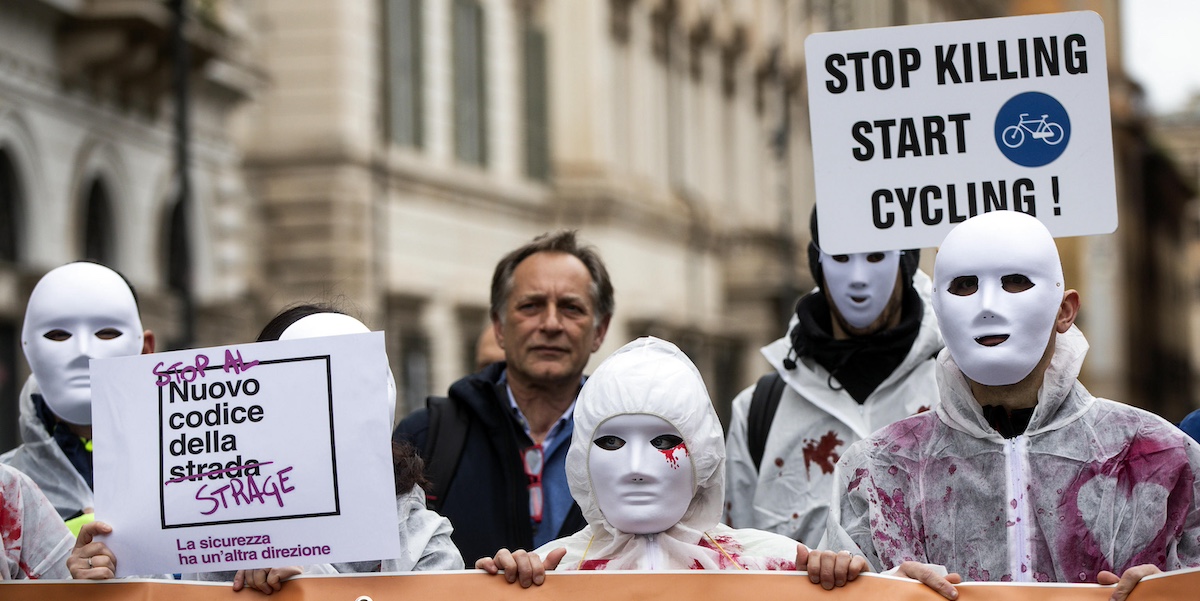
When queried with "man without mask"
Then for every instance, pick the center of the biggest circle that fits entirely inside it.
(858, 355)
(76, 313)
(1030, 476)
(650, 479)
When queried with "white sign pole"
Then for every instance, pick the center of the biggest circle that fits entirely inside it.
(246, 456)
(915, 129)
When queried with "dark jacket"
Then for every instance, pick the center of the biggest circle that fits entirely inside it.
(487, 501)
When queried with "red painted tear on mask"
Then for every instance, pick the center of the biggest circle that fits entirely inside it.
(670, 455)
(821, 452)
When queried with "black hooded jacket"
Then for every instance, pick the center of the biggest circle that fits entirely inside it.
(487, 500)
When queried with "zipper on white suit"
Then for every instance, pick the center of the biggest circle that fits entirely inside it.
(1017, 509)
(653, 552)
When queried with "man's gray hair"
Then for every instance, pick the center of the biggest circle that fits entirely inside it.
(562, 241)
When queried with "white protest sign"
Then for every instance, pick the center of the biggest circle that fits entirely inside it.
(246, 456)
(918, 128)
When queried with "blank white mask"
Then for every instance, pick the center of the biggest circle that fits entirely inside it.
(641, 473)
(76, 313)
(337, 324)
(998, 285)
(860, 284)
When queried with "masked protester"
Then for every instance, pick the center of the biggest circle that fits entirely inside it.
(1019, 474)
(424, 535)
(76, 313)
(647, 468)
(858, 355)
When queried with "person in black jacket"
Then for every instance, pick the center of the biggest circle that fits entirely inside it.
(495, 450)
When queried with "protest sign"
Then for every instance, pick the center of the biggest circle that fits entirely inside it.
(243, 456)
(601, 586)
(917, 128)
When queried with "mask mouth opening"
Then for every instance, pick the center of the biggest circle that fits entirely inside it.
(860, 299)
(991, 339)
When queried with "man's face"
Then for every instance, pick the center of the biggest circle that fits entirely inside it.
(549, 327)
(77, 312)
(998, 286)
(863, 288)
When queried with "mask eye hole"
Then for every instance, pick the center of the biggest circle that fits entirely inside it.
(609, 443)
(875, 257)
(666, 442)
(108, 334)
(57, 335)
(840, 258)
(1015, 283)
(963, 285)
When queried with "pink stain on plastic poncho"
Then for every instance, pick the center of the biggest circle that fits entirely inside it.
(1097, 485)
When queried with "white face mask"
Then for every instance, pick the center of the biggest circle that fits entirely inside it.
(998, 286)
(860, 284)
(641, 473)
(77, 312)
(337, 324)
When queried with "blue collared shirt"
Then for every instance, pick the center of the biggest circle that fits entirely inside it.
(556, 494)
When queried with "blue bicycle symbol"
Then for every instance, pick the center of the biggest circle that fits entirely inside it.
(1053, 128)
(1041, 129)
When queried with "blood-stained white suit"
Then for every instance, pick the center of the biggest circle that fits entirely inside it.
(34, 540)
(815, 423)
(652, 377)
(1091, 485)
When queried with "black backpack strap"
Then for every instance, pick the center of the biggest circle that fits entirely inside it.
(763, 404)
(443, 447)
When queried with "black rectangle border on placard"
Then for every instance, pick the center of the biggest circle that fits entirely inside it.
(162, 503)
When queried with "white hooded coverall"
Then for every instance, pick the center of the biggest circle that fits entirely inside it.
(1091, 485)
(652, 376)
(813, 426)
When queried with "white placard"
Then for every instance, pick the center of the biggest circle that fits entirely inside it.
(245, 456)
(918, 128)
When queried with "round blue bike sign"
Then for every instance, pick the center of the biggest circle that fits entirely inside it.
(1032, 129)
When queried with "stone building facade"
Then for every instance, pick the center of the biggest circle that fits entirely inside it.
(384, 154)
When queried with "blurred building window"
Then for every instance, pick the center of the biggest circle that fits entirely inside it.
(10, 210)
(471, 323)
(408, 349)
(10, 217)
(403, 75)
(179, 256)
(9, 412)
(97, 228)
(470, 116)
(537, 109)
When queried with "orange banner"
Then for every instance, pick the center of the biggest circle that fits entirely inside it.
(586, 586)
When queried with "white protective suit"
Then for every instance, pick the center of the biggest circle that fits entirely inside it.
(813, 425)
(1091, 485)
(652, 376)
(34, 540)
(424, 535)
(424, 541)
(40, 457)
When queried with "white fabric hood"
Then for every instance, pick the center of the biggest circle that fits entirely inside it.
(653, 377)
